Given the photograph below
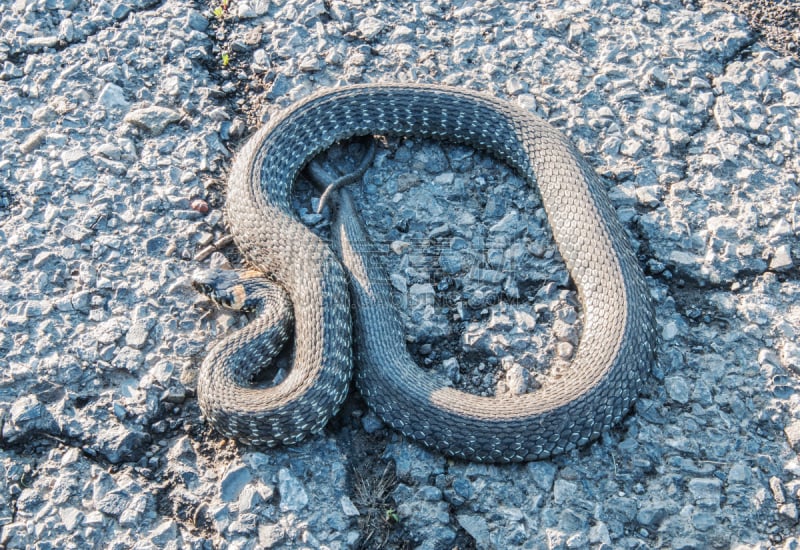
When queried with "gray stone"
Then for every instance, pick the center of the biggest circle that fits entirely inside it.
(789, 511)
(233, 481)
(114, 503)
(371, 422)
(515, 86)
(28, 416)
(706, 492)
(685, 259)
(463, 488)
(571, 521)
(578, 540)
(293, 494)
(517, 380)
(776, 486)
(703, 521)
(43, 42)
(245, 11)
(511, 225)
(412, 462)
(112, 97)
(14, 535)
(622, 509)
(75, 232)
(249, 499)
(102, 484)
(739, 474)
(33, 141)
(136, 337)
(670, 331)
(792, 431)
(71, 517)
(564, 491)
(790, 356)
(245, 525)
(348, 507)
(782, 259)
(565, 350)
(556, 539)
(677, 389)
(120, 443)
(278, 88)
(598, 534)
(28, 501)
(156, 245)
(271, 535)
(66, 30)
(428, 492)
(651, 515)
(542, 474)
(132, 515)
(648, 196)
(421, 295)
(477, 528)
(152, 119)
(491, 276)
(71, 157)
(450, 262)
(165, 533)
(428, 519)
(452, 369)
(220, 517)
(688, 543)
(437, 536)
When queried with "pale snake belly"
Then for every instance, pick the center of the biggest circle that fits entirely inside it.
(616, 347)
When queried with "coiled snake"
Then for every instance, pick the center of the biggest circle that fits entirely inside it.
(614, 354)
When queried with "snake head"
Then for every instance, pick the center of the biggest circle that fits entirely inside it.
(234, 290)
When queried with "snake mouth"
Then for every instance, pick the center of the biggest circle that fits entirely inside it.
(242, 291)
(203, 288)
(226, 288)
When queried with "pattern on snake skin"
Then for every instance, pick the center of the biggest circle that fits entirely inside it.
(612, 359)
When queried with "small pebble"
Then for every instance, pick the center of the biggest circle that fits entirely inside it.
(200, 205)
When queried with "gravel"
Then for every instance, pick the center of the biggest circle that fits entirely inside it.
(118, 121)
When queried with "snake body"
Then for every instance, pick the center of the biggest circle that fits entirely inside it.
(615, 351)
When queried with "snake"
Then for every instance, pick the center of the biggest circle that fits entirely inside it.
(339, 295)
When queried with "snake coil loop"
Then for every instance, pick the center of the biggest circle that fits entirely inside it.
(615, 351)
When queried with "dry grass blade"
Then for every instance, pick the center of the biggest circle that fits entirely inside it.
(371, 495)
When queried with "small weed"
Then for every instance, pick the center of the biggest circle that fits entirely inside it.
(391, 515)
(221, 10)
(371, 497)
(226, 59)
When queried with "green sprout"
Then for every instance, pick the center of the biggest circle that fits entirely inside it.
(220, 11)
(226, 59)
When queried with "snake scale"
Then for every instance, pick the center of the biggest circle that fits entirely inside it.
(612, 359)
